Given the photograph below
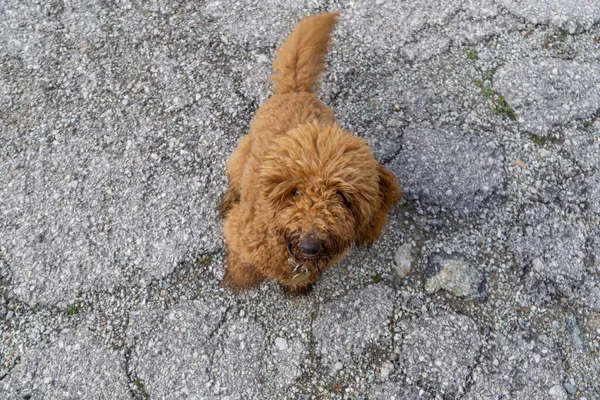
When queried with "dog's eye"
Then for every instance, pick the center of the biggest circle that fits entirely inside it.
(344, 198)
(294, 193)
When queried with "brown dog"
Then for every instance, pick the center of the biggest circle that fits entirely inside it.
(302, 190)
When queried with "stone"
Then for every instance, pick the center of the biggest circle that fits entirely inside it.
(575, 336)
(386, 369)
(281, 344)
(456, 276)
(558, 392)
(403, 260)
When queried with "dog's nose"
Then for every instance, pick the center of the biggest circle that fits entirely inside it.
(310, 246)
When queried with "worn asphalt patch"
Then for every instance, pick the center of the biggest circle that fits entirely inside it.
(116, 121)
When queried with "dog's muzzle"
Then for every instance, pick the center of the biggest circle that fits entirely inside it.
(302, 269)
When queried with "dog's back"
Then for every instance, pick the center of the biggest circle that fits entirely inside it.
(300, 59)
(297, 65)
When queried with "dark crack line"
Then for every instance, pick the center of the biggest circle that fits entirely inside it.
(220, 324)
(129, 374)
(469, 380)
(313, 359)
(90, 299)
(532, 26)
(389, 158)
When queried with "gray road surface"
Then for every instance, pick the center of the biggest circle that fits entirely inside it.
(116, 120)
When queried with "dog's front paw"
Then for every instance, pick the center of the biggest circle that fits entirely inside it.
(239, 275)
(297, 290)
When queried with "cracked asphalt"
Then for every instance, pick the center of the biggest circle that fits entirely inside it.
(116, 121)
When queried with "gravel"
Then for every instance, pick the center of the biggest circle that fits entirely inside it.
(546, 93)
(459, 171)
(550, 249)
(346, 327)
(71, 365)
(116, 121)
(171, 351)
(439, 352)
(525, 368)
(573, 16)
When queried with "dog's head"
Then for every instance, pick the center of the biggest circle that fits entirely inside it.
(325, 191)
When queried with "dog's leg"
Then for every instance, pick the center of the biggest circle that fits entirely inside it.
(235, 170)
(240, 275)
(297, 290)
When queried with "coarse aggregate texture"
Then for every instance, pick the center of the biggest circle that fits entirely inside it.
(116, 121)
(72, 365)
(392, 391)
(440, 166)
(572, 16)
(171, 351)
(346, 327)
(550, 92)
(522, 368)
(439, 352)
(551, 249)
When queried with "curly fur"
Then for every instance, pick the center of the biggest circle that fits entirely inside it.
(298, 173)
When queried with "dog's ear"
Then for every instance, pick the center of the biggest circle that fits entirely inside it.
(389, 195)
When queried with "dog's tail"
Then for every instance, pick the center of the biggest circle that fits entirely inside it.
(301, 58)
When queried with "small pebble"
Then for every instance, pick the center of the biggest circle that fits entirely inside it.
(281, 344)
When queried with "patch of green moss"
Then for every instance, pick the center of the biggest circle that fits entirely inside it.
(75, 308)
(206, 260)
(563, 34)
(377, 278)
(597, 38)
(472, 54)
(487, 91)
(501, 106)
(587, 124)
(539, 140)
(489, 74)
(141, 388)
(503, 109)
